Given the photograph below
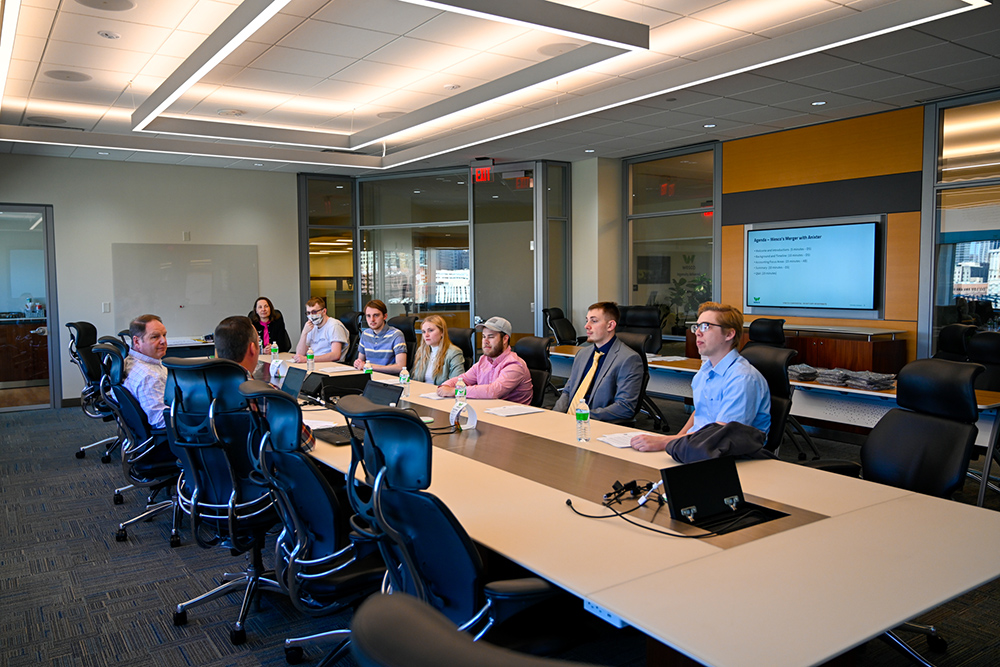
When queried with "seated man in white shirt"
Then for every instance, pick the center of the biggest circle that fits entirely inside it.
(146, 377)
(327, 336)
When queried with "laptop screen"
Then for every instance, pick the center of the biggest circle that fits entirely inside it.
(382, 393)
(292, 383)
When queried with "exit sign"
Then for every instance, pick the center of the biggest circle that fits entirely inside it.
(482, 174)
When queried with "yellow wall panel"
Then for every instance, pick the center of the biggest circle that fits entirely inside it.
(731, 291)
(902, 260)
(887, 143)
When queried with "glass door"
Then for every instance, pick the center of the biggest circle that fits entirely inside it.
(24, 309)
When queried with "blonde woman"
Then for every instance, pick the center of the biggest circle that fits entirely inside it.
(437, 358)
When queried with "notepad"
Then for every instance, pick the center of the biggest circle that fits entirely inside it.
(620, 440)
(336, 368)
(512, 410)
(316, 423)
(432, 397)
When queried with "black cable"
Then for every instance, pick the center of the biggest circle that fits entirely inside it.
(621, 515)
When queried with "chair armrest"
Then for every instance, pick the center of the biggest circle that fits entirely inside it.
(510, 596)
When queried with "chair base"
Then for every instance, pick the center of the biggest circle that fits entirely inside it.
(293, 646)
(935, 641)
(110, 445)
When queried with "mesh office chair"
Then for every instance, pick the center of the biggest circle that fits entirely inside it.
(534, 351)
(116, 342)
(322, 570)
(408, 325)
(465, 339)
(147, 461)
(642, 320)
(82, 338)
(562, 328)
(426, 551)
(401, 631)
(984, 349)
(351, 321)
(773, 362)
(639, 343)
(210, 429)
(953, 342)
(924, 445)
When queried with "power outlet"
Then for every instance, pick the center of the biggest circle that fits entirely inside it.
(604, 614)
(185, 236)
(105, 306)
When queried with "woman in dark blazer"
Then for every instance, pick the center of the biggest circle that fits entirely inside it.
(270, 325)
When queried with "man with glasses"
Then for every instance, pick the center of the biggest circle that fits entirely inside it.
(327, 336)
(726, 388)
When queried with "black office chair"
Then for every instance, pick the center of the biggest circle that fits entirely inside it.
(643, 320)
(639, 343)
(82, 337)
(562, 328)
(773, 362)
(147, 461)
(426, 551)
(924, 445)
(984, 349)
(126, 337)
(210, 429)
(766, 331)
(116, 342)
(953, 342)
(408, 325)
(352, 322)
(401, 631)
(534, 351)
(322, 570)
(465, 339)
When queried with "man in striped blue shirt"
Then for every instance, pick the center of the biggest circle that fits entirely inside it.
(381, 345)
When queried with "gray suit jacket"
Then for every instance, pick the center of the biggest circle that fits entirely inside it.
(615, 391)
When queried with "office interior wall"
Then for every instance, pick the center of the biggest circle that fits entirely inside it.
(98, 203)
(597, 235)
(862, 165)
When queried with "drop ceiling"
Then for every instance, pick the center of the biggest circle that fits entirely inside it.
(364, 86)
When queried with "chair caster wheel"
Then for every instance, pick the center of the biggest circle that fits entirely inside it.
(180, 617)
(121, 535)
(937, 643)
(119, 499)
(175, 541)
(80, 454)
(293, 655)
(238, 636)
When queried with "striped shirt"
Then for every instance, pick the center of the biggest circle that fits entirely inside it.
(380, 349)
(147, 380)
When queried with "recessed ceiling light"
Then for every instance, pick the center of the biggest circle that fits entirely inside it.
(103, 153)
(68, 75)
(557, 48)
(232, 113)
(461, 183)
(258, 164)
(451, 86)
(588, 150)
(389, 115)
(496, 196)
(46, 120)
(107, 34)
(709, 125)
(340, 187)
(108, 5)
(818, 103)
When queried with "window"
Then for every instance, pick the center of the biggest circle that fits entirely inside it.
(330, 225)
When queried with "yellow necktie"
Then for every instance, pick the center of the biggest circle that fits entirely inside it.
(581, 391)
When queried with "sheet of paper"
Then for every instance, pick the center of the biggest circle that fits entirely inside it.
(512, 410)
(337, 368)
(433, 397)
(619, 440)
(667, 358)
(316, 423)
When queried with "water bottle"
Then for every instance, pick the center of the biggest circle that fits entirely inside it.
(310, 360)
(368, 368)
(582, 421)
(274, 352)
(404, 379)
(460, 391)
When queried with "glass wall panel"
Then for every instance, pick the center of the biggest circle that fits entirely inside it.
(555, 195)
(970, 143)
(675, 183)
(418, 270)
(415, 199)
(331, 268)
(329, 203)
(672, 266)
(558, 275)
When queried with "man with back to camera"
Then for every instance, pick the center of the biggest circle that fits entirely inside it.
(499, 373)
(146, 377)
(612, 389)
(327, 336)
(382, 345)
(726, 388)
(236, 339)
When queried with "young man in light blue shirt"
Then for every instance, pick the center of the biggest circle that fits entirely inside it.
(726, 388)
(381, 345)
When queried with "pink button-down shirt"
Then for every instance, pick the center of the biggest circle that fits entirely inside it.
(505, 377)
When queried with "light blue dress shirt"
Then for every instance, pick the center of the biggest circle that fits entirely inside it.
(731, 391)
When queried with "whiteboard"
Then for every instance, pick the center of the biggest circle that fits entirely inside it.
(191, 287)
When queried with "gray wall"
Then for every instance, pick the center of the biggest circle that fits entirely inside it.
(98, 203)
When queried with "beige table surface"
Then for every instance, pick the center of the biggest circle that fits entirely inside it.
(798, 597)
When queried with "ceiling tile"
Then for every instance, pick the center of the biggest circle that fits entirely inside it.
(527, 45)
(489, 66)
(272, 82)
(107, 154)
(161, 66)
(762, 114)
(754, 16)
(181, 44)
(779, 93)
(466, 31)
(345, 91)
(276, 29)
(687, 36)
(720, 106)
(816, 64)
(205, 16)
(28, 48)
(853, 75)
(297, 61)
(900, 41)
(381, 74)
(84, 29)
(435, 83)
(932, 57)
(386, 15)
(303, 8)
(986, 42)
(420, 54)
(166, 14)
(68, 55)
(734, 85)
(338, 40)
(156, 158)
(960, 73)
(20, 71)
(977, 21)
(43, 149)
(35, 22)
(643, 12)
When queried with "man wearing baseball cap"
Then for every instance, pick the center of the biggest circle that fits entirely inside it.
(499, 373)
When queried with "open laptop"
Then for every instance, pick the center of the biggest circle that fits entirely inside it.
(292, 383)
(323, 386)
(376, 392)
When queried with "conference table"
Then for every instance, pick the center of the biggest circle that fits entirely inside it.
(850, 560)
(671, 378)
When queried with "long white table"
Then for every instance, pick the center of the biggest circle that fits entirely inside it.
(876, 557)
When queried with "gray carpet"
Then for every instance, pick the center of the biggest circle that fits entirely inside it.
(72, 595)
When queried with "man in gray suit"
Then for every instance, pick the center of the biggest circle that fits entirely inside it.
(608, 375)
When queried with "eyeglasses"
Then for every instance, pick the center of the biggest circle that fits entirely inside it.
(314, 312)
(703, 327)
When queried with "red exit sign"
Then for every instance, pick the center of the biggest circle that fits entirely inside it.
(522, 183)
(482, 174)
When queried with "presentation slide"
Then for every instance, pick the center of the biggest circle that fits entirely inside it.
(829, 266)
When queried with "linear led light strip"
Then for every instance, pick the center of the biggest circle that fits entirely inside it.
(236, 29)
(8, 26)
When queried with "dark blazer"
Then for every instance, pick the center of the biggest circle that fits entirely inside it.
(276, 327)
(614, 393)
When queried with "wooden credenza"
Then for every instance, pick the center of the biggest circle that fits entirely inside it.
(23, 355)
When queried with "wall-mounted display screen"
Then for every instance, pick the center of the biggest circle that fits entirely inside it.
(833, 267)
